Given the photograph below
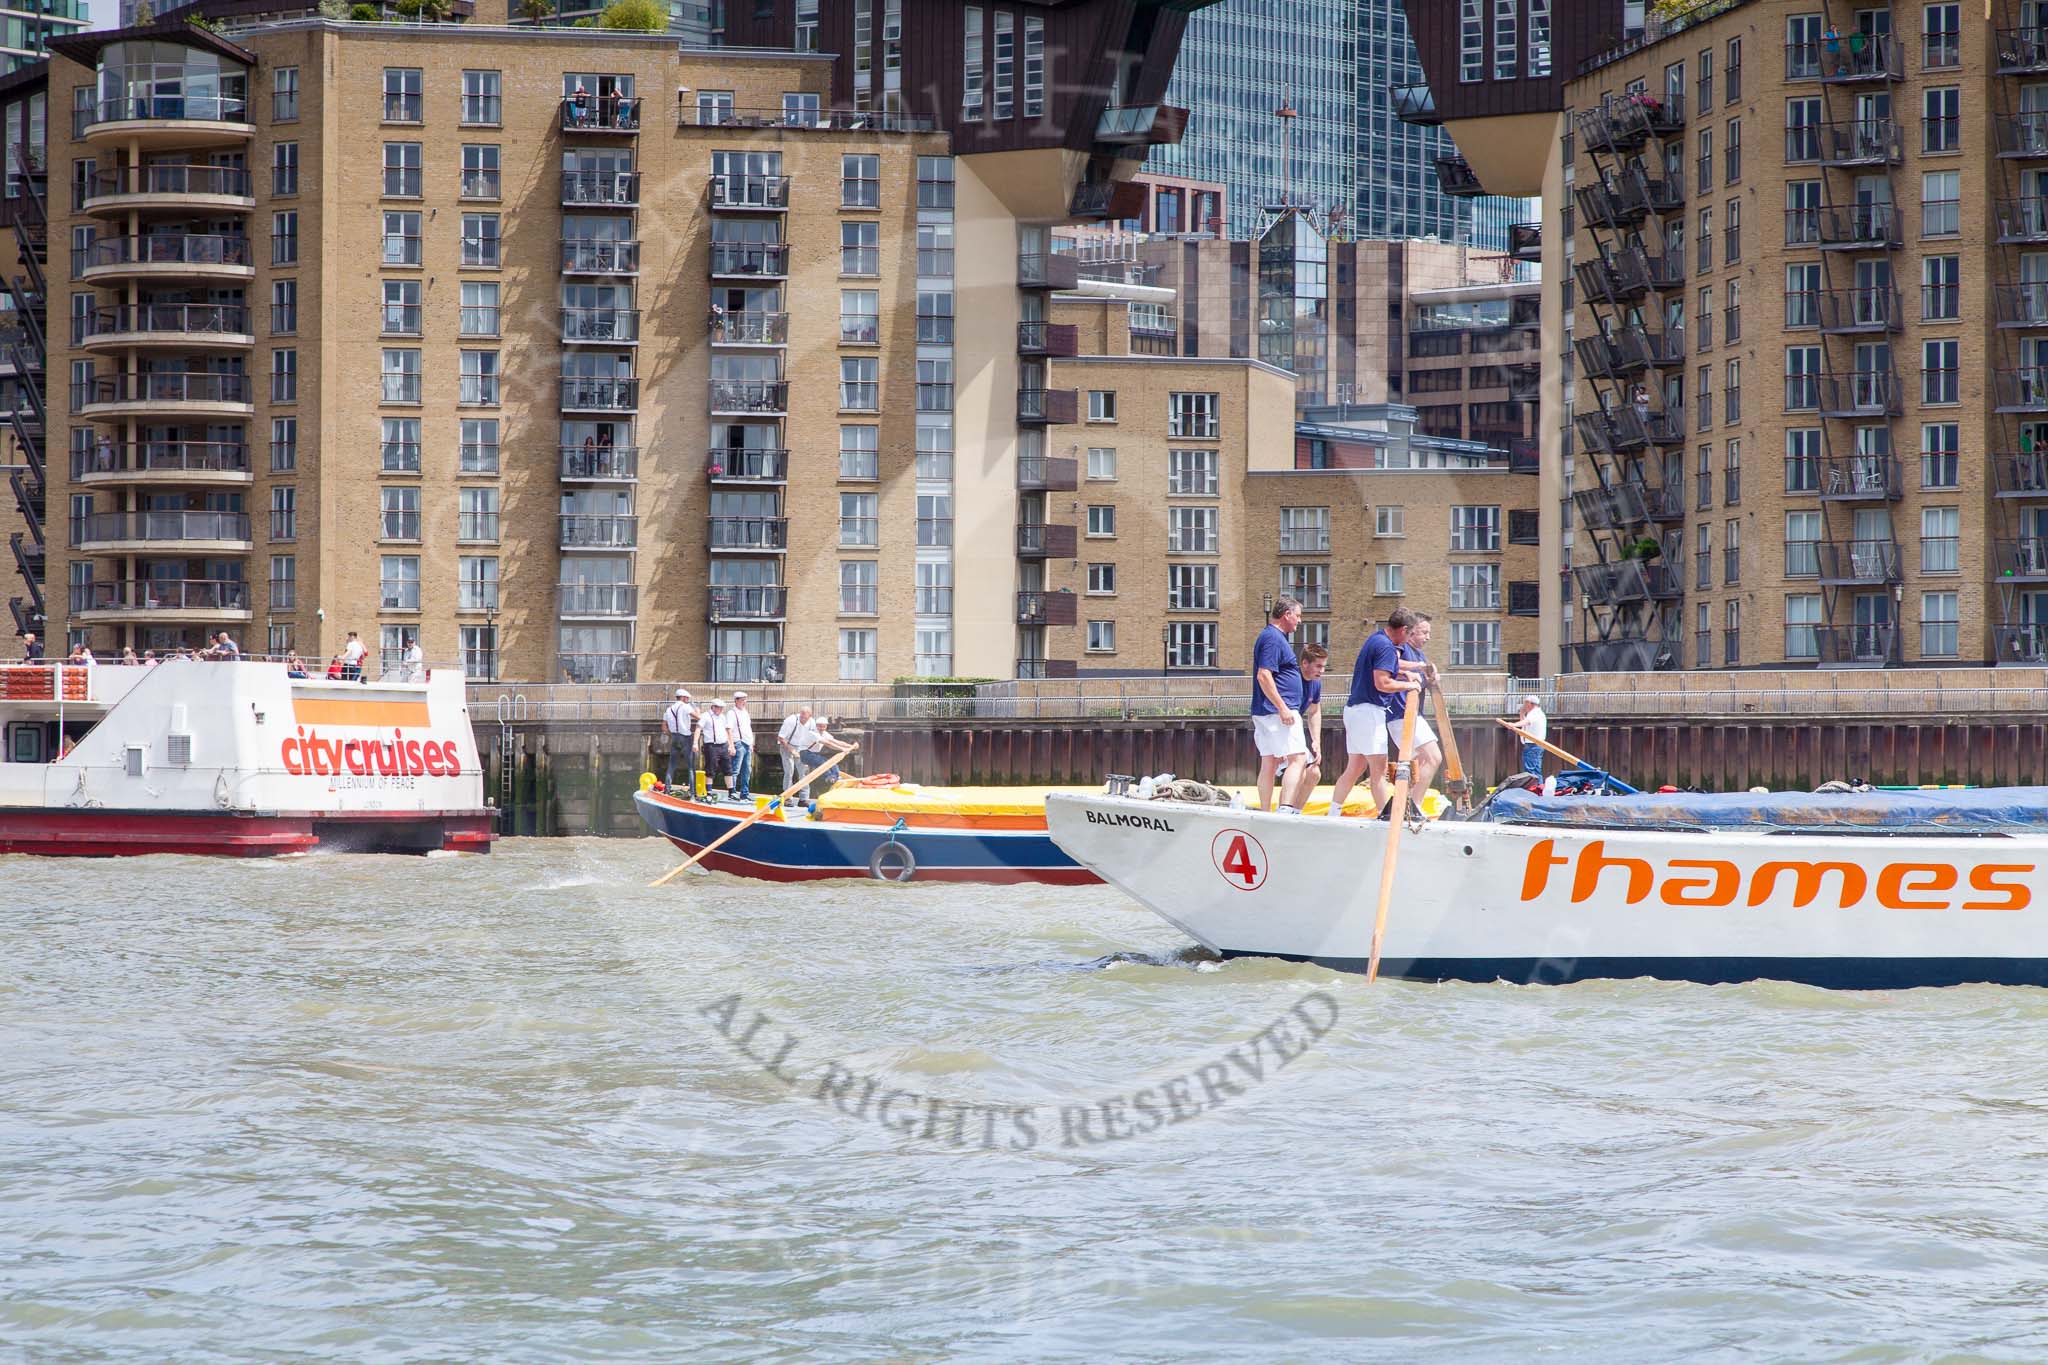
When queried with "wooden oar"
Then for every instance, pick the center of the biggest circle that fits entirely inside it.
(1456, 785)
(1402, 771)
(1567, 756)
(759, 812)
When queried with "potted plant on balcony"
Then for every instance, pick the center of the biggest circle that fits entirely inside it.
(1644, 548)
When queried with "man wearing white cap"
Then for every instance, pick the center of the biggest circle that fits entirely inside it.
(742, 725)
(714, 730)
(1532, 725)
(680, 722)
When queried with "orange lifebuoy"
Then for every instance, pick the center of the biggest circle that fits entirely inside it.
(880, 780)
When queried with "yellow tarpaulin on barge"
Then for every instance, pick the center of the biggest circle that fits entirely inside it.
(1010, 807)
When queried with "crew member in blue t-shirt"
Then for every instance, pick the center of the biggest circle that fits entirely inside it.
(1276, 700)
(1429, 752)
(1301, 780)
(1378, 685)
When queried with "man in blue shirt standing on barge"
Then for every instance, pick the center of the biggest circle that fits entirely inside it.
(1276, 708)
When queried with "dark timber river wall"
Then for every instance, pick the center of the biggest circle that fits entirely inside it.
(578, 777)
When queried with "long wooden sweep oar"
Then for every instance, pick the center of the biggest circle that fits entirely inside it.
(1402, 770)
(1456, 785)
(759, 812)
(1564, 754)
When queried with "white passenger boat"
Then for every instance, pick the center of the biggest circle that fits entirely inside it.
(239, 758)
(1862, 890)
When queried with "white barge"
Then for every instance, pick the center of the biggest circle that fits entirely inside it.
(1852, 891)
(194, 756)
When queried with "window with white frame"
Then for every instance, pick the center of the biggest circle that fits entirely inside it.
(1802, 626)
(1802, 544)
(1475, 587)
(858, 587)
(973, 102)
(402, 175)
(398, 583)
(284, 444)
(860, 453)
(1388, 580)
(1102, 405)
(860, 383)
(860, 180)
(1102, 580)
(401, 512)
(401, 445)
(1191, 587)
(1304, 530)
(1940, 454)
(1940, 625)
(1102, 637)
(1101, 519)
(856, 656)
(1475, 644)
(476, 583)
(934, 519)
(1191, 644)
(1101, 464)
(284, 582)
(1192, 473)
(859, 519)
(1471, 40)
(1389, 523)
(401, 238)
(480, 239)
(401, 376)
(478, 453)
(934, 587)
(1192, 414)
(479, 379)
(1191, 530)
(1940, 539)
(476, 517)
(1475, 528)
(860, 317)
(1034, 66)
(1308, 584)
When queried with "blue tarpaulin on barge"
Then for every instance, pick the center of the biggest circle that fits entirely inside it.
(1981, 811)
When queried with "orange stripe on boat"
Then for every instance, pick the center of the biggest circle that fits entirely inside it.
(383, 715)
(927, 819)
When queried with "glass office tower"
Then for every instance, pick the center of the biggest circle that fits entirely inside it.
(26, 25)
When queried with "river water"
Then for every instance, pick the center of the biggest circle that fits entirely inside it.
(519, 1108)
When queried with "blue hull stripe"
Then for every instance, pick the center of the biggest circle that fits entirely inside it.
(776, 844)
(1834, 973)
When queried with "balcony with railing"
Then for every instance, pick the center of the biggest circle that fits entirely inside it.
(179, 462)
(1057, 340)
(596, 601)
(600, 668)
(749, 329)
(152, 117)
(2024, 560)
(707, 114)
(2023, 220)
(600, 464)
(2021, 390)
(1853, 646)
(158, 186)
(1599, 357)
(1858, 57)
(585, 256)
(1456, 178)
(1863, 227)
(1042, 407)
(601, 114)
(752, 603)
(751, 535)
(162, 599)
(581, 394)
(1415, 104)
(1045, 541)
(749, 398)
(1861, 478)
(1627, 504)
(2020, 305)
(1638, 348)
(172, 532)
(747, 668)
(1616, 124)
(1046, 609)
(166, 255)
(1031, 670)
(600, 326)
(750, 260)
(1849, 563)
(1873, 309)
(1056, 271)
(1861, 142)
(748, 464)
(2021, 476)
(174, 393)
(1047, 474)
(600, 189)
(1627, 655)
(586, 532)
(750, 193)
(2024, 643)
(2021, 137)
(1862, 393)
(164, 324)
(2022, 51)
(1525, 242)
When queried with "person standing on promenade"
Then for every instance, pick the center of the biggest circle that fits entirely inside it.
(680, 723)
(1276, 700)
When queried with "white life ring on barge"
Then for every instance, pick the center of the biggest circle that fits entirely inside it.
(892, 862)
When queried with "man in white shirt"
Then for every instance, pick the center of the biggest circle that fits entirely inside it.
(715, 732)
(680, 723)
(352, 659)
(742, 724)
(415, 662)
(796, 734)
(1534, 725)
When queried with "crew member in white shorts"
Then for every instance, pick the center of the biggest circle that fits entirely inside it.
(1377, 682)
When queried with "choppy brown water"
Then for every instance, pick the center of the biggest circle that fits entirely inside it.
(482, 1109)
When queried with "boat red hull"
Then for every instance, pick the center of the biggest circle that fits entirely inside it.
(101, 833)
